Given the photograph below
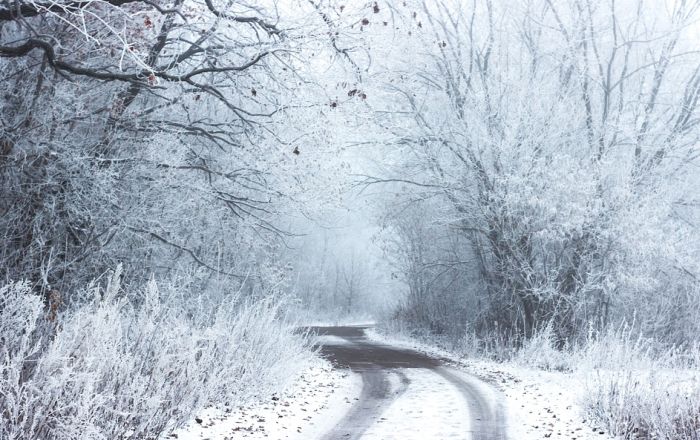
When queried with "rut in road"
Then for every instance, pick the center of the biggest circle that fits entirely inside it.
(377, 364)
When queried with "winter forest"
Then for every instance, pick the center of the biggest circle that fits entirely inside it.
(188, 187)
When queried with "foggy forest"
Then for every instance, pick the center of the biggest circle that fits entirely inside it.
(210, 209)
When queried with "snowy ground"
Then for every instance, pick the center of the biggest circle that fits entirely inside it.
(538, 404)
(314, 403)
(430, 408)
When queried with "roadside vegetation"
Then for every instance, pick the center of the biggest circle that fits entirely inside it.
(136, 363)
(636, 388)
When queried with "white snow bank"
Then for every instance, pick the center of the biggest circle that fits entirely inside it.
(317, 400)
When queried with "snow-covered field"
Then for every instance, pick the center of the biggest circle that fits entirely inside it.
(313, 404)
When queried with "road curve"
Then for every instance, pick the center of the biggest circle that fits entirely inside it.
(377, 363)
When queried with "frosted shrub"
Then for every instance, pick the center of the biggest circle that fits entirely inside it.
(20, 343)
(636, 405)
(616, 346)
(136, 365)
(540, 351)
(640, 390)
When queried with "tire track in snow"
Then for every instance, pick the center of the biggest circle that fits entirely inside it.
(376, 362)
(375, 397)
(487, 418)
(376, 394)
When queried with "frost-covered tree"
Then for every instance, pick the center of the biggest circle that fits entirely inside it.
(167, 135)
(560, 139)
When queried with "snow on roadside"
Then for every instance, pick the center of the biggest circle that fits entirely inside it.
(330, 340)
(311, 406)
(538, 404)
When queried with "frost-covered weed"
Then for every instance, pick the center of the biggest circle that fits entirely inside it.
(540, 351)
(20, 344)
(646, 404)
(619, 346)
(636, 387)
(638, 390)
(134, 365)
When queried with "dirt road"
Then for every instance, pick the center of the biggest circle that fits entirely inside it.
(385, 372)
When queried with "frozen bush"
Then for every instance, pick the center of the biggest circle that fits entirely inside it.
(646, 405)
(20, 344)
(541, 351)
(136, 365)
(638, 389)
(618, 346)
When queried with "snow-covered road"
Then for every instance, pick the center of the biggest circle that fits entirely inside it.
(409, 395)
(378, 389)
(374, 391)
